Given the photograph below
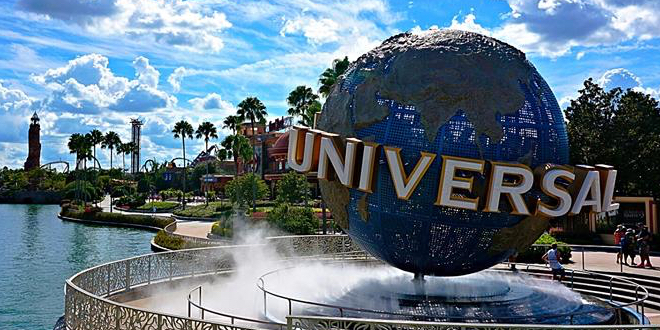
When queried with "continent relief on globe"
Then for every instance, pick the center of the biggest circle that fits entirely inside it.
(439, 73)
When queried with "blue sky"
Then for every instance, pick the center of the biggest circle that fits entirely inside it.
(84, 64)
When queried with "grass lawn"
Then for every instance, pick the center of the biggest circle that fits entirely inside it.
(159, 206)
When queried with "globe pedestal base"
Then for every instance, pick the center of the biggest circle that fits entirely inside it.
(485, 297)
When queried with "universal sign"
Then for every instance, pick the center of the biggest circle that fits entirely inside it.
(353, 163)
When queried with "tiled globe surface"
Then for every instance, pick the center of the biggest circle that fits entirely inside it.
(420, 237)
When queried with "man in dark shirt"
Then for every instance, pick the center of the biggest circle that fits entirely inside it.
(644, 244)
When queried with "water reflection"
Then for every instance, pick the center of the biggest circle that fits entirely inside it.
(39, 252)
(81, 252)
(30, 233)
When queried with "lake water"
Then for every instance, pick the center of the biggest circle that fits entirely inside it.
(39, 252)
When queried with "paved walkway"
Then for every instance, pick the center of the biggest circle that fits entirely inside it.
(193, 228)
(606, 261)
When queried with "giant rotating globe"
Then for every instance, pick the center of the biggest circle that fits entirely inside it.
(450, 93)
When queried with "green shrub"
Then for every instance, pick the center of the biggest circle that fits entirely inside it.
(534, 254)
(83, 190)
(169, 242)
(223, 228)
(160, 206)
(213, 210)
(171, 193)
(118, 218)
(132, 201)
(293, 219)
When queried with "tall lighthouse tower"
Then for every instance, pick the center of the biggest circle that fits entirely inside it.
(34, 144)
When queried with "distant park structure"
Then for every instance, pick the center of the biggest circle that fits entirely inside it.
(136, 126)
(34, 144)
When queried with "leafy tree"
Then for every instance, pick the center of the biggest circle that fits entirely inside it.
(183, 129)
(111, 141)
(329, 77)
(293, 188)
(621, 129)
(589, 125)
(300, 100)
(246, 187)
(13, 180)
(95, 137)
(207, 131)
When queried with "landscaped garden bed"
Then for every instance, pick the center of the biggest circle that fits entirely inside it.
(212, 210)
(94, 215)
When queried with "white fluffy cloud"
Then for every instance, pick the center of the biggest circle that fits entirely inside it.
(145, 73)
(554, 27)
(336, 21)
(13, 99)
(619, 77)
(87, 85)
(625, 79)
(15, 108)
(183, 24)
(213, 101)
(468, 24)
(317, 31)
(176, 77)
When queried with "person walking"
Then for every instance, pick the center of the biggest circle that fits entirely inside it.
(618, 235)
(552, 258)
(644, 245)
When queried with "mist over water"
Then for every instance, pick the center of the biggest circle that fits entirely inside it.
(360, 285)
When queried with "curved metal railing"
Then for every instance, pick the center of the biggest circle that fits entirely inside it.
(341, 323)
(87, 303)
(203, 311)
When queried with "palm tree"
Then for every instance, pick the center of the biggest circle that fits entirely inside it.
(79, 145)
(95, 137)
(233, 123)
(208, 131)
(253, 110)
(125, 149)
(183, 129)
(300, 99)
(330, 75)
(111, 141)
